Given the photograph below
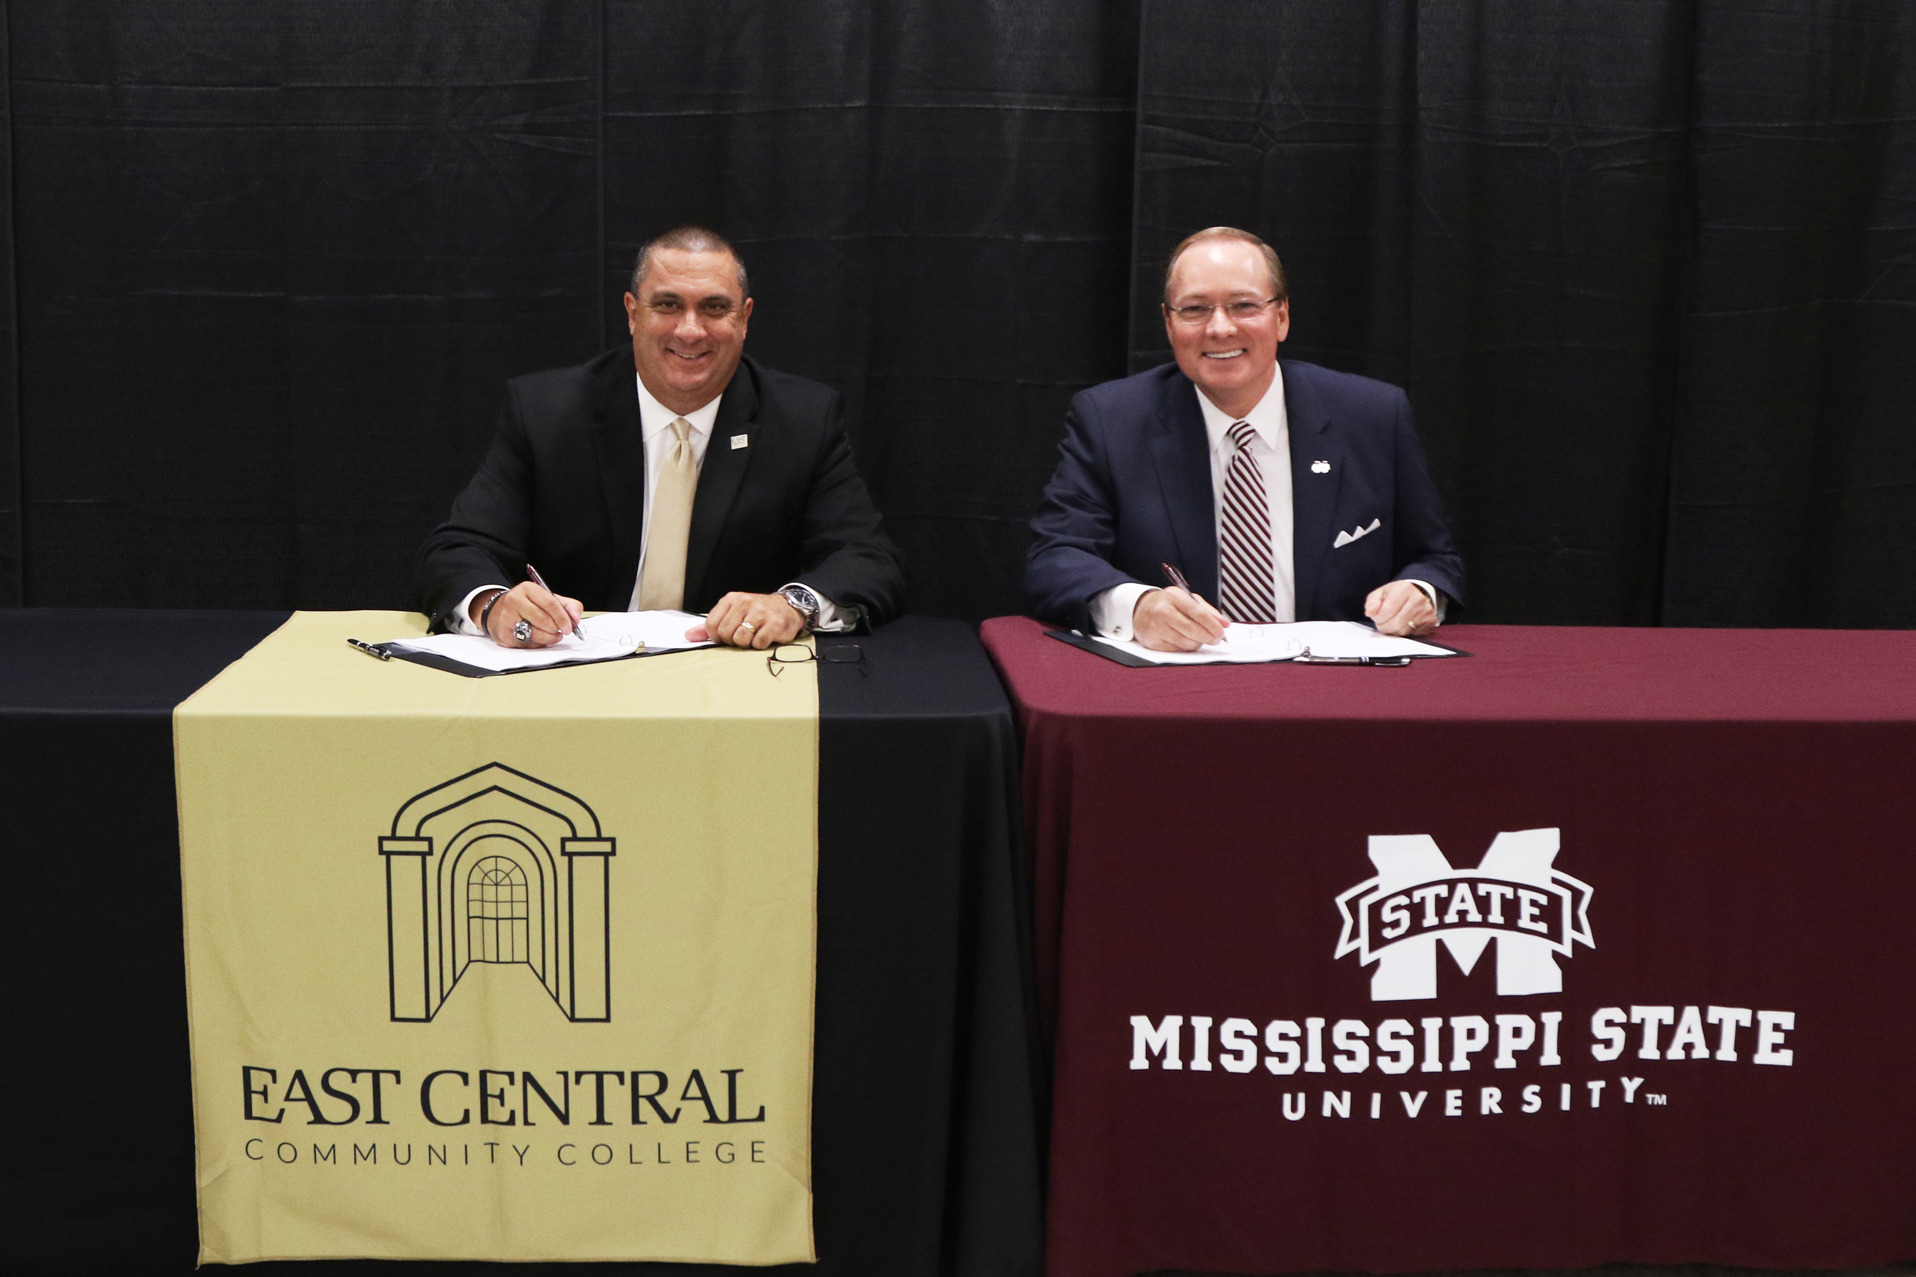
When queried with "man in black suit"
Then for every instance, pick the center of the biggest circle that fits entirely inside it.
(1282, 492)
(705, 482)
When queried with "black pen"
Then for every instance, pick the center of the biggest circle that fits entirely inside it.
(541, 583)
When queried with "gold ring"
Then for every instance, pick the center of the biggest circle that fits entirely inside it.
(747, 625)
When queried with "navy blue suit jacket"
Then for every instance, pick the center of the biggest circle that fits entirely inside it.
(1133, 490)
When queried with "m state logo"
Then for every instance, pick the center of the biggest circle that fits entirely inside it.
(1417, 901)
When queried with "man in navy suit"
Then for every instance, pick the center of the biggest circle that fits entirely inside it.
(1283, 491)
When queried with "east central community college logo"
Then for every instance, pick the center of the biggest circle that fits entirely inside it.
(1416, 902)
(497, 866)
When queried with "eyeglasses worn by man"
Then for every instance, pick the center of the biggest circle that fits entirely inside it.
(1282, 490)
(676, 474)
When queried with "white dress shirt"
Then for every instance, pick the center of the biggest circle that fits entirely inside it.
(1111, 609)
(655, 427)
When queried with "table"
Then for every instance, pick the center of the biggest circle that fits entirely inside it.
(925, 1153)
(1588, 947)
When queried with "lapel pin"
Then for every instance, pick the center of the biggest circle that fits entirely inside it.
(1317, 467)
(739, 441)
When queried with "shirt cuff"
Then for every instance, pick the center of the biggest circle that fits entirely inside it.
(462, 615)
(1111, 609)
(1435, 595)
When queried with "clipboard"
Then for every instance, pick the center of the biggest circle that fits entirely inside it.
(433, 661)
(1084, 644)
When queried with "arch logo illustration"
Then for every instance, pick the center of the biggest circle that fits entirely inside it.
(497, 866)
(1514, 897)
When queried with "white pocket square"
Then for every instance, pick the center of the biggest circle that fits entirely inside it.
(1345, 538)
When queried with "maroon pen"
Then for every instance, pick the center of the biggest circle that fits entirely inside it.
(1176, 578)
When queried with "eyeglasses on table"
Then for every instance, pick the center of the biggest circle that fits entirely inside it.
(783, 654)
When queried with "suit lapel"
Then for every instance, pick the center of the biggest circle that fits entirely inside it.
(1313, 492)
(1183, 456)
(720, 476)
(620, 442)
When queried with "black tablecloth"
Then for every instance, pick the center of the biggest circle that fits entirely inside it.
(925, 1148)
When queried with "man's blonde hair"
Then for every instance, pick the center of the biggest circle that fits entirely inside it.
(1279, 289)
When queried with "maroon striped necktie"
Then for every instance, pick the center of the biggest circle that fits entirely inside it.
(1245, 571)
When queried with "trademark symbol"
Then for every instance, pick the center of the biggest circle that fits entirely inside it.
(1656, 1099)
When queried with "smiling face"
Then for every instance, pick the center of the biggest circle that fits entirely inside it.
(1233, 361)
(688, 326)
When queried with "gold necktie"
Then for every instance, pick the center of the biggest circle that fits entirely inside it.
(668, 525)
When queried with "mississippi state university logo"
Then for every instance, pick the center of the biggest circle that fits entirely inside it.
(1417, 901)
(497, 866)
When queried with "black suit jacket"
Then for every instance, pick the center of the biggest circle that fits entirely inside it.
(1133, 490)
(563, 487)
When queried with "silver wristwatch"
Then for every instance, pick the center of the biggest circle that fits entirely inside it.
(804, 601)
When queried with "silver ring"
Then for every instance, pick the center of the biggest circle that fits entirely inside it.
(522, 631)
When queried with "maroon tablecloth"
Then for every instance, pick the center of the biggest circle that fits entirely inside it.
(1591, 946)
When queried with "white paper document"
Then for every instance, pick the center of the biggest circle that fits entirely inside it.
(607, 638)
(1251, 644)
(659, 631)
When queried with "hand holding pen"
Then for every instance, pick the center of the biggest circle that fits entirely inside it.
(1176, 619)
(573, 612)
(528, 615)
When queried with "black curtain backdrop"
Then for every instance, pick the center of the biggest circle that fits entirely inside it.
(273, 262)
(10, 568)
(1642, 264)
